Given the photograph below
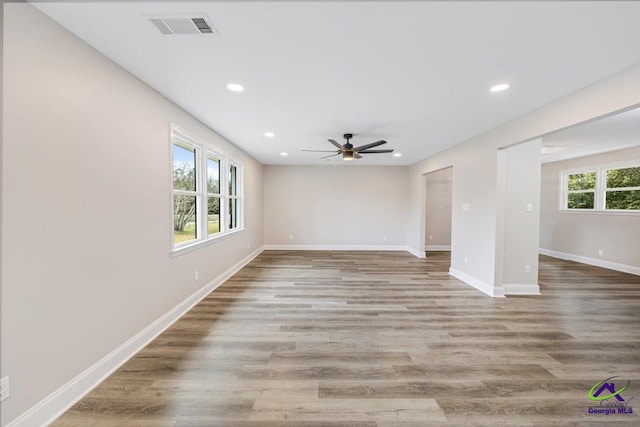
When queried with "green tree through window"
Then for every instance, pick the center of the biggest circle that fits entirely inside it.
(602, 188)
(581, 190)
(623, 189)
(184, 194)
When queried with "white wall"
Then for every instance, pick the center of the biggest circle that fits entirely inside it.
(438, 209)
(475, 172)
(518, 218)
(582, 234)
(335, 205)
(87, 209)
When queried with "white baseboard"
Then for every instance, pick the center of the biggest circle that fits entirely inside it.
(491, 290)
(592, 261)
(438, 247)
(54, 405)
(415, 252)
(521, 289)
(412, 251)
(335, 247)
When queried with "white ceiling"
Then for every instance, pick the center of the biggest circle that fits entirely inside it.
(414, 73)
(607, 134)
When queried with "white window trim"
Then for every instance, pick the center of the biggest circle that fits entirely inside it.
(240, 192)
(564, 192)
(203, 150)
(600, 190)
(221, 195)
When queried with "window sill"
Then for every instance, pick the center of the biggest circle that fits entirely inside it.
(197, 245)
(594, 212)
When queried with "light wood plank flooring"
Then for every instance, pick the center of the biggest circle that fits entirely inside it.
(380, 339)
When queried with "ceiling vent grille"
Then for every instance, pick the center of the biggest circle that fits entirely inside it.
(202, 25)
(175, 25)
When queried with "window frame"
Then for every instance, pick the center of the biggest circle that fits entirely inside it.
(184, 141)
(600, 188)
(220, 195)
(605, 188)
(203, 152)
(566, 191)
(238, 196)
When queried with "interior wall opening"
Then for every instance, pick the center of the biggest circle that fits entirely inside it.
(438, 210)
(590, 192)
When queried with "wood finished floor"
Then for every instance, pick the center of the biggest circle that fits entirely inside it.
(380, 339)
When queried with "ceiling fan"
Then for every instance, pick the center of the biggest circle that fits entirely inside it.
(349, 152)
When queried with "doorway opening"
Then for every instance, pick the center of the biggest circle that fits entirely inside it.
(438, 202)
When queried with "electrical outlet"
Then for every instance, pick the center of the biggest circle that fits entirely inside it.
(4, 388)
(248, 245)
(466, 260)
(600, 252)
(527, 268)
(384, 238)
(196, 275)
(430, 237)
(290, 236)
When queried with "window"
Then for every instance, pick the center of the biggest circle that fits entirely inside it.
(602, 189)
(581, 190)
(623, 189)
(185, 193)
(234, 197)
(202, 192)
(213, 195)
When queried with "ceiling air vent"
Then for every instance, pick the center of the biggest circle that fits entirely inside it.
(173, 25)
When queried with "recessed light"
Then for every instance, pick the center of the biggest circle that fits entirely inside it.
(269, 134)
(283, 154)
(397, 154)
(235, 87)
(500, 87)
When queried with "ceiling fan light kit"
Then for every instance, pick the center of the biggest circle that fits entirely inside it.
(349, 152)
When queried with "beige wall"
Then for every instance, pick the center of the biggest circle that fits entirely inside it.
(438, 208)
(335, 205)
(582, 234)
(518, 215)
(86, 208)
(475, 171)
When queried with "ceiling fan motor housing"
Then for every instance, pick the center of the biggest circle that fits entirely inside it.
(348, 145)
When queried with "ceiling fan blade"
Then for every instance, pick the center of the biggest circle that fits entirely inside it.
(373, 144)
(320, 151)
(335, 143)
(326, 157)
(375, 151)
(357, 156)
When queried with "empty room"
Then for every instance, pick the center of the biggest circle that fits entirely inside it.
(320, 213)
